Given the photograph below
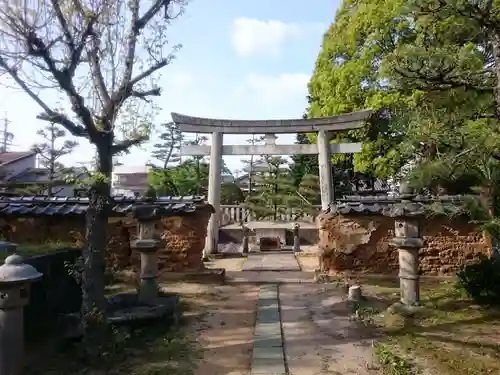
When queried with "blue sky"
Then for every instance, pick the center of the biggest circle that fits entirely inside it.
(240, 59)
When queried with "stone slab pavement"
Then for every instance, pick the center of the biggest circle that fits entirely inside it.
(275, 261)
(319, 336)
(268, 357)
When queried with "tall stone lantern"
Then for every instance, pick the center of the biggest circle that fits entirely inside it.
(15, 280)
(147, 245)
(407, 240)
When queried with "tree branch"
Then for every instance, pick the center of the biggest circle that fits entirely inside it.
(144, 94)
(64, 25)
(126, 144)
(61, 119)
(76, 54)
(49, 115)
(125, 88)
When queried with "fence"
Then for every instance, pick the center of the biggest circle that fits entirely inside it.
(231, 214)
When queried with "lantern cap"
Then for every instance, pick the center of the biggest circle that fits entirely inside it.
(14, 270)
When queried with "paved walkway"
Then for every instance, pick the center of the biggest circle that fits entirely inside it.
(271, 261)
(302, 328)
(268, 357)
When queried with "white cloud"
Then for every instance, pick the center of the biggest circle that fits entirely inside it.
(281, 89)
(255, 37)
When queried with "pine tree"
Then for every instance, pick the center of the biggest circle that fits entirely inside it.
(274, 190)
(168, 151)
(198, 140)
(249, 164)
(50, 152)
(309, 193)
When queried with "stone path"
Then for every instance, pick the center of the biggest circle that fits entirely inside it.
(271, 261)
(302, 330)
(268, 357)
(319, 335)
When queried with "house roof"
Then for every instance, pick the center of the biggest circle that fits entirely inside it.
(74, 206)
(41, 175)
(9, 157)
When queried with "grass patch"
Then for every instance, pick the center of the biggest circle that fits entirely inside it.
(29, 250)
(451, 334)
(153, 349)
(393, 364)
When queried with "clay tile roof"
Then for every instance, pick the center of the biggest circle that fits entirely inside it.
(394, 206)
(9, 157)
(63, 206)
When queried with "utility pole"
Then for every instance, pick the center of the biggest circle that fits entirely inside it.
(7, 137)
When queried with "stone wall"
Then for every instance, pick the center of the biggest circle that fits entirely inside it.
(183, 237)
(361, 243)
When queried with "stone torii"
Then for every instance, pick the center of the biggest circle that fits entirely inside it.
(218, 127)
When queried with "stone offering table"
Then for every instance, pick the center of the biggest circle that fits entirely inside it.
(262, 230)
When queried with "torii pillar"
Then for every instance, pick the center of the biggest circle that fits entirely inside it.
(214, 184)
(325, 169)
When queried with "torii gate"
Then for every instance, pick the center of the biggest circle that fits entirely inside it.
(218, 127)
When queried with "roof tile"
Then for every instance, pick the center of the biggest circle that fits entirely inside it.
(68, 206)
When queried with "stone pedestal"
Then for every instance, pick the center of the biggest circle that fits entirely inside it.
(15, 280)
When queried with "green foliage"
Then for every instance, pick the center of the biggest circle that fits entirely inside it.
(303, 164)
(347, 78)
(310, 192)
(230, 193)
(189, 178)
(393, 364)
(274, 190)
(481, 281)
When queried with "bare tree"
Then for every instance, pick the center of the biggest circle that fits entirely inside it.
(50, 152)
(103, 57)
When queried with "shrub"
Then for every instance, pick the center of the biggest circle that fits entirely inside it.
(481, 281)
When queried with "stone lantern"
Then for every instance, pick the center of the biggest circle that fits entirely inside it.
(147, 245)
(15, 280)
(244, 244)
(408, 242)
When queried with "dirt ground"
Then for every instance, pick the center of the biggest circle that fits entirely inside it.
(222, 319)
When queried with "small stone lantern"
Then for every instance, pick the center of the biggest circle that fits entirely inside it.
(147, 245)
(244, 244)
(15, 280)
(296, 238)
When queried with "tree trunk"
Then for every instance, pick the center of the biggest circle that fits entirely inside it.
(487, 201)
(93, 283)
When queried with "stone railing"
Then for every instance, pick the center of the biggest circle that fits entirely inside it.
(231, 214)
